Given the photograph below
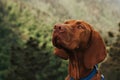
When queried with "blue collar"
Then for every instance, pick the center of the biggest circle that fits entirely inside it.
(89, 77)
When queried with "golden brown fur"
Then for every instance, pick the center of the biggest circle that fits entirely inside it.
(77, 41)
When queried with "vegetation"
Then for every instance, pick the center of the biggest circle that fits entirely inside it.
(113, 61)
(26, 51)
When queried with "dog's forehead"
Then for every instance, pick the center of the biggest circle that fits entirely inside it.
(69, 21)
(75, 22)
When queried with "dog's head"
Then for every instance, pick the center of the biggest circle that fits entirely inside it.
(71, 34)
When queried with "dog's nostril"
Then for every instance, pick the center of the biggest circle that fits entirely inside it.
(59, 27)
(55, 26)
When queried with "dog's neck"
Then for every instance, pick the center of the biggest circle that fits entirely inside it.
(76, 66)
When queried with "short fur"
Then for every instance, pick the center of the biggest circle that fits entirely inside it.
(77, 41)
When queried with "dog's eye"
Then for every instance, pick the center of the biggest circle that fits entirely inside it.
(79, 27)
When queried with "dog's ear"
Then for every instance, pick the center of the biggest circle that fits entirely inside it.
(96, 51)
(61, 53)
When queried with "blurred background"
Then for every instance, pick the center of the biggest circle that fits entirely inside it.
(26, 51)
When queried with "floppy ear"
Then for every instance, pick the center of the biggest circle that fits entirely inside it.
(96, 51)
(61, 53)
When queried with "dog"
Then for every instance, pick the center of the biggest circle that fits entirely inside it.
(78, 42)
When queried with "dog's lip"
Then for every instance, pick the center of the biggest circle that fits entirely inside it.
(56, 42)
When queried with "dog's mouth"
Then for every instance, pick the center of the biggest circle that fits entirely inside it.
(61, 40)
(57, 42)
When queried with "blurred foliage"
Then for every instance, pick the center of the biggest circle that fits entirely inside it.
(26, 51)
(112, 63)
(32, 62)
(102, 14)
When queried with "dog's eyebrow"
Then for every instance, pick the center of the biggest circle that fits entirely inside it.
(81, 25)
(66, 22)
(78, 22)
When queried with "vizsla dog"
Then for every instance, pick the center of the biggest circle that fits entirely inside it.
(77, 41)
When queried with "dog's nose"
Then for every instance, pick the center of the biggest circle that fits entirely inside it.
(59, 28)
